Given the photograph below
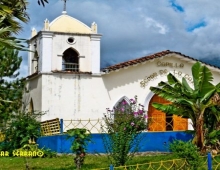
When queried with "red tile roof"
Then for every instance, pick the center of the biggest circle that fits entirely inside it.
(142, 59)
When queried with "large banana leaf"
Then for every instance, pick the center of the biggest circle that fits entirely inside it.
(171, 109)
(202, 78)
(186, 89)
(164, 94)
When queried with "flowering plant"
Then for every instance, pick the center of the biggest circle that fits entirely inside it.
(124, 124)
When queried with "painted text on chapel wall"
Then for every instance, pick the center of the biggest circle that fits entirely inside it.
(164, 72)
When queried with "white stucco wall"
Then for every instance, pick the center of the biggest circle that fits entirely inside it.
(34, 92)
(86, 96)
(71, 96)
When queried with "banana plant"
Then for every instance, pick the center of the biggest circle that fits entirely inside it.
(190, 102)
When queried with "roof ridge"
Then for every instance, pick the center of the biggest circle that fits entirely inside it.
(146, 58)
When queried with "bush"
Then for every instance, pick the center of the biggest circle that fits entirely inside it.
(188, 151)
(123, 126)
(20, 130)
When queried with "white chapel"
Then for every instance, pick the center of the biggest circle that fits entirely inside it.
(65, 79)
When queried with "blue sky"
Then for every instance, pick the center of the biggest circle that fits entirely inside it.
(136, 28)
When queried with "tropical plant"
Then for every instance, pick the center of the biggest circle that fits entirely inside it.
(123, 126)
(189, 102)
(12, 14)
(27, 151)
(212, 128)
(81, 137)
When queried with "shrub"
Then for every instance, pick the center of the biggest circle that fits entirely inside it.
(123, 126)
(79, 144)
(188, 151)
(22, 128)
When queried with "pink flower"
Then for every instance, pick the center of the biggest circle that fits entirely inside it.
(145, 116)
(125, 128)
(124, 102)
(135, 113)
(132, 124)
(132, 101)
(140, 112)
(122, 109)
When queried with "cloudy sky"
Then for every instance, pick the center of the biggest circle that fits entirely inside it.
(136, 28)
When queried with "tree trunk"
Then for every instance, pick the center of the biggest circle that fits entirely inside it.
(200, 133)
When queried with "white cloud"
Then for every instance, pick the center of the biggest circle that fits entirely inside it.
(153, 24)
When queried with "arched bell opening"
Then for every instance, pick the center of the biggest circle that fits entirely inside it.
(70, 60)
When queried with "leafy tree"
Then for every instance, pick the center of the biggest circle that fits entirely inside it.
(11, 88)
(12, 14)
(194, 103)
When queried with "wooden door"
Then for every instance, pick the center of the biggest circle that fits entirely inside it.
(179, 123)
(159, 121)
(156, 118)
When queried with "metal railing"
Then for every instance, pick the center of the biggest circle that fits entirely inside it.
(70, 67)
(93, 125)
(174, 164)
(155, 124)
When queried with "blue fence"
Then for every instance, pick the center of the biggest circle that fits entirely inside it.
(151, 142)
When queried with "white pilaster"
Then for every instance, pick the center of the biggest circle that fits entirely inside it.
(46, 51)
(95, 53)
(30, 59)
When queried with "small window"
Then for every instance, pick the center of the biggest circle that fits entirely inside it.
(71, 40)
(121, 107)
(31, 107)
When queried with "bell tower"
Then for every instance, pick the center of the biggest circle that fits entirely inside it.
(65, 44)
(64, 58)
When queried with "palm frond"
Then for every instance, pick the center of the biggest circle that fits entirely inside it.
(42, 2)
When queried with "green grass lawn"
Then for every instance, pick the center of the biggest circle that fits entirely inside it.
(65, 162)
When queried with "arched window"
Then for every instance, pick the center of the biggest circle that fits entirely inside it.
(160, 121)
(70, 60)
(121, 107)
(122, 103)
(31, 107)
